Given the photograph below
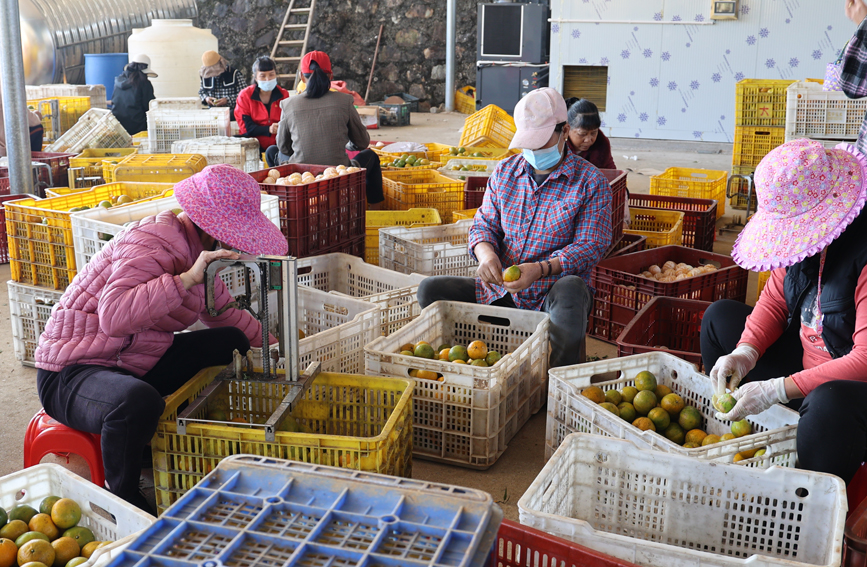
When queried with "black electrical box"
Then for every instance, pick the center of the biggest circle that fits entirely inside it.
(512, 32)
(505, 85)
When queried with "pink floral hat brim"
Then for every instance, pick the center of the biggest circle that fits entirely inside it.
(808, 214)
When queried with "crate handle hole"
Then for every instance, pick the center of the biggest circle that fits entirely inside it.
(386, 520)
(305, 270)
(100, 511)
(601, 457)
(802, 492)
(20, 494)
(674, 374)
(501, 321)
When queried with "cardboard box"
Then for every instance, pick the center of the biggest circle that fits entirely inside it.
(369, 116)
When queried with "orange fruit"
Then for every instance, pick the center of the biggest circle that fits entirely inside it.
(644, 401)
(741, 428)
(443, 346)
(629, 393)
(458, 352)
(8, 552)
(424, 351)
(65, 550)
(35, 564)
(89, 548)
(444, 354)
(459, 361)
(80, 534)
(689, 418)
(422, 343)
(76, 561)
(13, 530)
(47, 503)
(695, 436)
(36, 550)
(644, 424)
(614, 397)
(233, 420)
(512, 274)
(408, 346)
(30, 536)
(426, 375)
(479, 362)
(610, 407)
(645, 380)
(661, 391)
(690, 445)
(660, 418)
(407, 353)
(727, 437)
(22, 512)
(627, 412)
(710, 440)
(65, 513)
(672, 403)
(42, 523)
(477, 350)
(413, 373)
(594, 394)
(723, 403)
(674, 433)
(493, 357)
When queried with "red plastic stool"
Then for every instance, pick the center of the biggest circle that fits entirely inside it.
(47, 435)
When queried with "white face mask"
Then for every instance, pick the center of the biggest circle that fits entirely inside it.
(545, 158)
(267, 85)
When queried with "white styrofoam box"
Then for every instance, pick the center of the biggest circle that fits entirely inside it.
(94, 228)
(569, 411)
(95, 92)
(350, 275)
(242, 153)
(470, 416)
(97, 128)
(814, 113)
(168, 126)
(29, 309)
(32, 485)
(490, 165)
(663, 510)
(432, 250)
(177, 103)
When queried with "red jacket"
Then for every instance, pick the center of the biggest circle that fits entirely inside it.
(254, 118)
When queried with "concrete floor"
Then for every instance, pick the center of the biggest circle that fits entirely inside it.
(512, 474)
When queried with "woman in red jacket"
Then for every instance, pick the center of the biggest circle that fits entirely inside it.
(257, 110)
(585, 139)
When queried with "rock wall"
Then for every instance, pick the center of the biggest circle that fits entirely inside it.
(411, 54)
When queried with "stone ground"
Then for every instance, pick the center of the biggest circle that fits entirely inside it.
(512, 474)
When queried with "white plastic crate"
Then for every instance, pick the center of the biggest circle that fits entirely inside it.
(569, 411)
(31, 485)
(95, 92)
(659, 510)
(168, 126)
(242, 153)
(490, 165)
(178, 103)
(94, 228)
(349, 275)
(29, 310)
(97, 128)
(469, 417)
(814, 113)
(258, 511)
(432, 251)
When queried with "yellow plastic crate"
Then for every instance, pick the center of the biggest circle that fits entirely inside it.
(406, 190)
(413, 218)
(754, 143)
(91, 160)
(692, 183)
(137, 139)
(496, 154)
(355, 422)
(40, 231)
(463, 215)
(432, 152)
(761, 102)
(69, 110)
(489, 127)
(154, 168)
(738, 190)
(465, 100)
(763, 279)
(662, 228)
(385, 163)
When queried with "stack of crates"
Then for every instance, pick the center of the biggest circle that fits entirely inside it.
(760, 126)
(829, 117)
(95, 92)
(59, 114)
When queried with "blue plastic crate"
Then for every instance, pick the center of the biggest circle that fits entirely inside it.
(254, 511)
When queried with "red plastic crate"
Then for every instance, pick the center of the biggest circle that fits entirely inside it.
(4, 245)
(319, 217)
(665, 324)
(58, 163)
(41, 180)
(627, 244)
(522, 546)
(617, 180)
(855, 530)
(621, 291)
(474, 191)
(699, 216)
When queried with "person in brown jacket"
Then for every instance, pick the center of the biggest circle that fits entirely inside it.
(319, 125)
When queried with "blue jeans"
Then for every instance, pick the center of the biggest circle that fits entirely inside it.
(568, 305)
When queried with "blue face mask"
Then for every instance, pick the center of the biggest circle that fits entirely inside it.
(546, 158)
(267, 85)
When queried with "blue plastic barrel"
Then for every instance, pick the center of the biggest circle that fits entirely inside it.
(102, 68)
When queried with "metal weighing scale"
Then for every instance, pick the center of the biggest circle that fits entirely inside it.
(276, 274)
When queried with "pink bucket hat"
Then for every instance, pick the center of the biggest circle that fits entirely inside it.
(807, 197)
(226, 203)
(536, 115)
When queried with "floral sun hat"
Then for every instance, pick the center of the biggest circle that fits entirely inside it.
(807, 196)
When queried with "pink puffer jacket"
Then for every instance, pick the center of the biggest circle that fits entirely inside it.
(123, 308)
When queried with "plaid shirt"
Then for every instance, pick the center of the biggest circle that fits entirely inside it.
(568, 217)
(223, 86)
(853, 76)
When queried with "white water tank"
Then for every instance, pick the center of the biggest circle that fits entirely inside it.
(175, 48)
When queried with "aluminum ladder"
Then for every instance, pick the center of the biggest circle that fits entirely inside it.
(291, 42)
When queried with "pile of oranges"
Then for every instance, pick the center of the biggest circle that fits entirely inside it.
(475, 354)
(654, 407)
(47, 537)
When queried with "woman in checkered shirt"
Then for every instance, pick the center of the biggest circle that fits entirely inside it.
(221, 82)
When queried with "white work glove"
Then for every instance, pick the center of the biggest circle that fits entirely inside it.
(729, 370)
(755, 397)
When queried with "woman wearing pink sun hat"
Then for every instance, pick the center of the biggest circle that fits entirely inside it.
(113, 346)
(807, 335)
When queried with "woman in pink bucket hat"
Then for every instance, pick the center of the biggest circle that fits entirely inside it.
(113, 346)
(807, 335)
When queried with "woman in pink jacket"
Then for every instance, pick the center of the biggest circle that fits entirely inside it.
(110, 352)
(807, 335)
